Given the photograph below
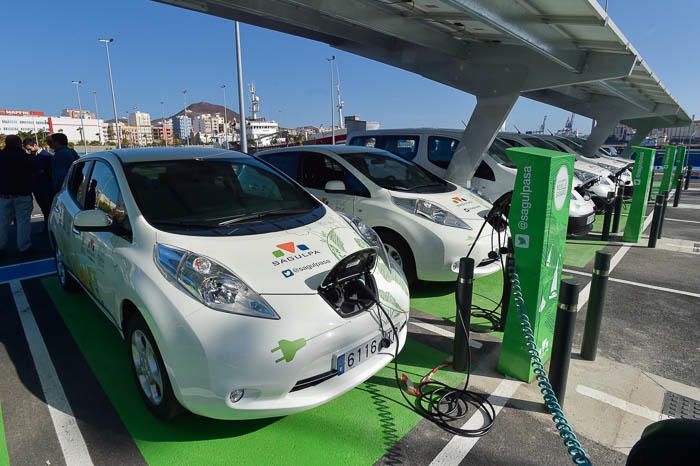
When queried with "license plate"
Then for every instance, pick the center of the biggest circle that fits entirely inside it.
(349, 360)
(590, 219)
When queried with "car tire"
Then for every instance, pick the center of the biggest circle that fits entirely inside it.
(147, 365)
(398, 249)
(65, 279)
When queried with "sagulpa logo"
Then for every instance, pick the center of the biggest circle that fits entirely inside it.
(522, 241)
(458, 200)
(289, 247)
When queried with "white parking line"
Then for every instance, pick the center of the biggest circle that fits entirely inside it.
(637, 410)
(441, 331)
(642, 285)
(70, 438)
(681, 220)
(458, 447)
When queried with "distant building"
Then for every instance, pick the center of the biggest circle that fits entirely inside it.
(14, 121)
(684, 134)
(143, 135)
(623, 133)
(75, 113)
(72, 128)
(163, 132)
(182, 127)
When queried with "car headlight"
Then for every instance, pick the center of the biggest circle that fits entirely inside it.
(210, 282)
(431, 211)
(583, 175)
(368, 234)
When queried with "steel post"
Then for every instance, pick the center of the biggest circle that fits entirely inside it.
(563, 337)
(596, 305)
(654, 231)
(660, 225)
(618, 211)
(463, 298)
(507, 285)
(607, 218)
(688, 174)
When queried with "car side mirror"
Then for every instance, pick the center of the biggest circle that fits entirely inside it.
(335, 186)
(93, 220)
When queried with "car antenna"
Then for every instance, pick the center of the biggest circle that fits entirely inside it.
(465, 125)
(517, 129)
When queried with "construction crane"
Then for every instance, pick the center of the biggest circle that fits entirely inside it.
(569, 126)
(543, 126)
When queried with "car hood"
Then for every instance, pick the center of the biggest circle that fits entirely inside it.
(461, 203)
(591, 168)
(292, 261)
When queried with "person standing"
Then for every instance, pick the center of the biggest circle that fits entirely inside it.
(63, 158)
(15, 194)
(41, 177)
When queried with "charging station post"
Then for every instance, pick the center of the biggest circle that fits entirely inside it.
(668, 163)
(617, 211)
(538, 221)
(680, 164)
(660, 225)
(642, 177)
(688, 174)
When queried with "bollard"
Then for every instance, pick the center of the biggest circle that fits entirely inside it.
(654, 231)
(463, 298)
(596, 304)
(563, 337)
(688, 175)
(605, 235)
(679, 188)
(507, 286)
(660, 225)
(618, 211)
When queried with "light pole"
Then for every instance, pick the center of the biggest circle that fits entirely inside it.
(223, 86)
(241, 102)
(162, 121)
(184, 101)
(97, 117)
(80, 109)
(111, 86)
(330, 62)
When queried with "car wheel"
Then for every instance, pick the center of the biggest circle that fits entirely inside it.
(65, 279)
(148, 368)
(397, 248)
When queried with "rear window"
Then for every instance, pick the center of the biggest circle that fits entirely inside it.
(441, 149)
(405, 147)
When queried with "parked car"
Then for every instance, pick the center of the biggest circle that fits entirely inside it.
(426, 223)
(433, 148)
(238, 293)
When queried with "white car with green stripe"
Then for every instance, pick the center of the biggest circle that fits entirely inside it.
(238, 293)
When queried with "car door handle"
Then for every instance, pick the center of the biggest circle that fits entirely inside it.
(76, 232)
(56, 209)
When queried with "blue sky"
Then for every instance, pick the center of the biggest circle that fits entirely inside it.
(160, 50)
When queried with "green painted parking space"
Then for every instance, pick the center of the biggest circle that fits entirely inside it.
(4, 457)
(357, 428)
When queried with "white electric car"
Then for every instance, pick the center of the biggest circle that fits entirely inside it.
(238, 293)
(426, 223)
(433, 148)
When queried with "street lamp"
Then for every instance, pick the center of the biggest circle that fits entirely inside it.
(111, 86)
(184, 100)
(223, 86)
(97, 117)
(80, 109)
(162, 114)
(330, 62)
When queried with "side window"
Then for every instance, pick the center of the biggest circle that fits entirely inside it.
(367, 141)
(317, 170)
(485, 172)
(288, 162)
(441, 150)
(405, 147)
(103, 193)
(78, 181)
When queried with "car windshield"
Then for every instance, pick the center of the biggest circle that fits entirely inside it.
(576, 147)
(221, 196)
(396, 174)
(541, 143)
(498, 152)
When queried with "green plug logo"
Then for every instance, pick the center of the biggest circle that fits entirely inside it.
(289, 349)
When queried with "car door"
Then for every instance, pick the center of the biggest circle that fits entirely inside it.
(67, 206)
(318, 169)
(107, 270)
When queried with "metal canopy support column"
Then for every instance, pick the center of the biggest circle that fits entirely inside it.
(603, 128)
(486, 120)
(643, 130)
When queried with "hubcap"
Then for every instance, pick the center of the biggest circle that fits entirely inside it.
(147, 368)
(60, 268)
(393, 253)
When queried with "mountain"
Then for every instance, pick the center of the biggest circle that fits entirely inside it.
(200, 108)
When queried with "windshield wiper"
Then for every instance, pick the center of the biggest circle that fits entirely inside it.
(167, 223)
(260, 215)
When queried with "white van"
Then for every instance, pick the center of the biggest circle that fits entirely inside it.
(433, 148)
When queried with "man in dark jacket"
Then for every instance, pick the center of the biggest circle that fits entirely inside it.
(41, 176)
(63, 157)
(15, 194)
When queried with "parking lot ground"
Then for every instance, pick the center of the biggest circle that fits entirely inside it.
(648, 347)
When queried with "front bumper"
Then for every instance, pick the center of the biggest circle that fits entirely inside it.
(581, 225)
(284, 366)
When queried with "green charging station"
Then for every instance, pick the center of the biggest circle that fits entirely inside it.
(642, 173)
(668, 165)
(681, 160)
(538, 219)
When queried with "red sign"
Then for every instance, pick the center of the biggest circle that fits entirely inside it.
(21, 113)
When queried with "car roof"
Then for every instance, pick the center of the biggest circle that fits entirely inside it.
(150, 154)
(405, 131)
(338, 149)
